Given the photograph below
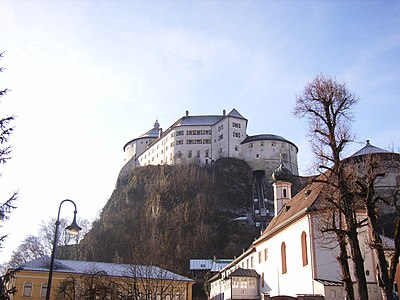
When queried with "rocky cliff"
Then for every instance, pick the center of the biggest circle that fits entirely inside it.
(167, 215)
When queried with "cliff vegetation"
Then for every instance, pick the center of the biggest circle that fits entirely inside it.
(167, 215)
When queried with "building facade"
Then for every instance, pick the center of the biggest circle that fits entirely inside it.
(205, 138)
(98, 280)
(292, 257)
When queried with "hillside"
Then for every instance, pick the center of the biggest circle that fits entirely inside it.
(167, 215)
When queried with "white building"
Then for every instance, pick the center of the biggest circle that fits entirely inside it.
(291, 257)
(205, 138)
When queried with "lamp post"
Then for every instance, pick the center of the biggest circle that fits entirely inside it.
(72, 229)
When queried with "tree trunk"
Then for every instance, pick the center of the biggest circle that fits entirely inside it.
(344, 265)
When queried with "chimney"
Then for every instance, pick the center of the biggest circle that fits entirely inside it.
(187, 113)
(224, 112)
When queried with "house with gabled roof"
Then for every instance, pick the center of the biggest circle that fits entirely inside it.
(123, 281)
(292, 257)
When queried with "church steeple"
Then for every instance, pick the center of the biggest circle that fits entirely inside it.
(282, 187)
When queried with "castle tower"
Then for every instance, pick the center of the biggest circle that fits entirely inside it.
(282, 187)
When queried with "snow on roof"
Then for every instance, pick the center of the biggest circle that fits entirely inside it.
(369, 149)
(111, 269)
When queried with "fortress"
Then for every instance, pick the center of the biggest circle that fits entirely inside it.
(205, 138)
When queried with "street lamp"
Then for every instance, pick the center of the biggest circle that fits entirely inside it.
(72, 229)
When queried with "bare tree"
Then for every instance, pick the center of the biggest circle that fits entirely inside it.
(378, 191)
(151, 282)
(7, 206)
(47, 231)
(327, 104)
(93, 286)
(30, 249)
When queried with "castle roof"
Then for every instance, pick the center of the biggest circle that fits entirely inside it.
(111, 269)
(152, 133)
(268, 137)
(236, 114)
(205, 120)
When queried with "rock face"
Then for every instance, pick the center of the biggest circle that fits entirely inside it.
(166, 215)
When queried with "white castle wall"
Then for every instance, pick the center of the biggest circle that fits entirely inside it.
(205, 143)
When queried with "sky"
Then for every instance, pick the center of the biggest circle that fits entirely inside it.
(88, 76)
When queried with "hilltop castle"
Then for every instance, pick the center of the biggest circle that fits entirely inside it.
(205, 138)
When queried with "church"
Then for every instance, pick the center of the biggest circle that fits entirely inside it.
(291, 258)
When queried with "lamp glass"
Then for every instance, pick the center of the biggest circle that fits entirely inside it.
(73, 228)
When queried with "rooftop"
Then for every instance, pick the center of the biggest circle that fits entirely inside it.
(369, 149)
(111, 269)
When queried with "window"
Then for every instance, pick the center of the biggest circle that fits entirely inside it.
(284, 193)
(179, 132)
(220, 137)
(207, 153)
(304, 248)
(43, 290)
(190, 154)
(251, 145)
(221, 127)
(236, 125)
(198, 153)
(251, 262)
(27, 290)
(265, 254)
(259, 257)
(180, 142)
(236, 148)
(283, 257)
(236, 134)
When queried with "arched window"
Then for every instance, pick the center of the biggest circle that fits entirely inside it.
(283, 257)
(304, 248)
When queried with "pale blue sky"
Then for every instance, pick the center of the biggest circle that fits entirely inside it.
(88, 76)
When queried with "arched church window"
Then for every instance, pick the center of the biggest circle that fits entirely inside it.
(304, 248)
(283, 257)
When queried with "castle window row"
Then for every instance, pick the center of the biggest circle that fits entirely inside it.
(236, 134)
(236, 125)
(198, 132)
(199, 141)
